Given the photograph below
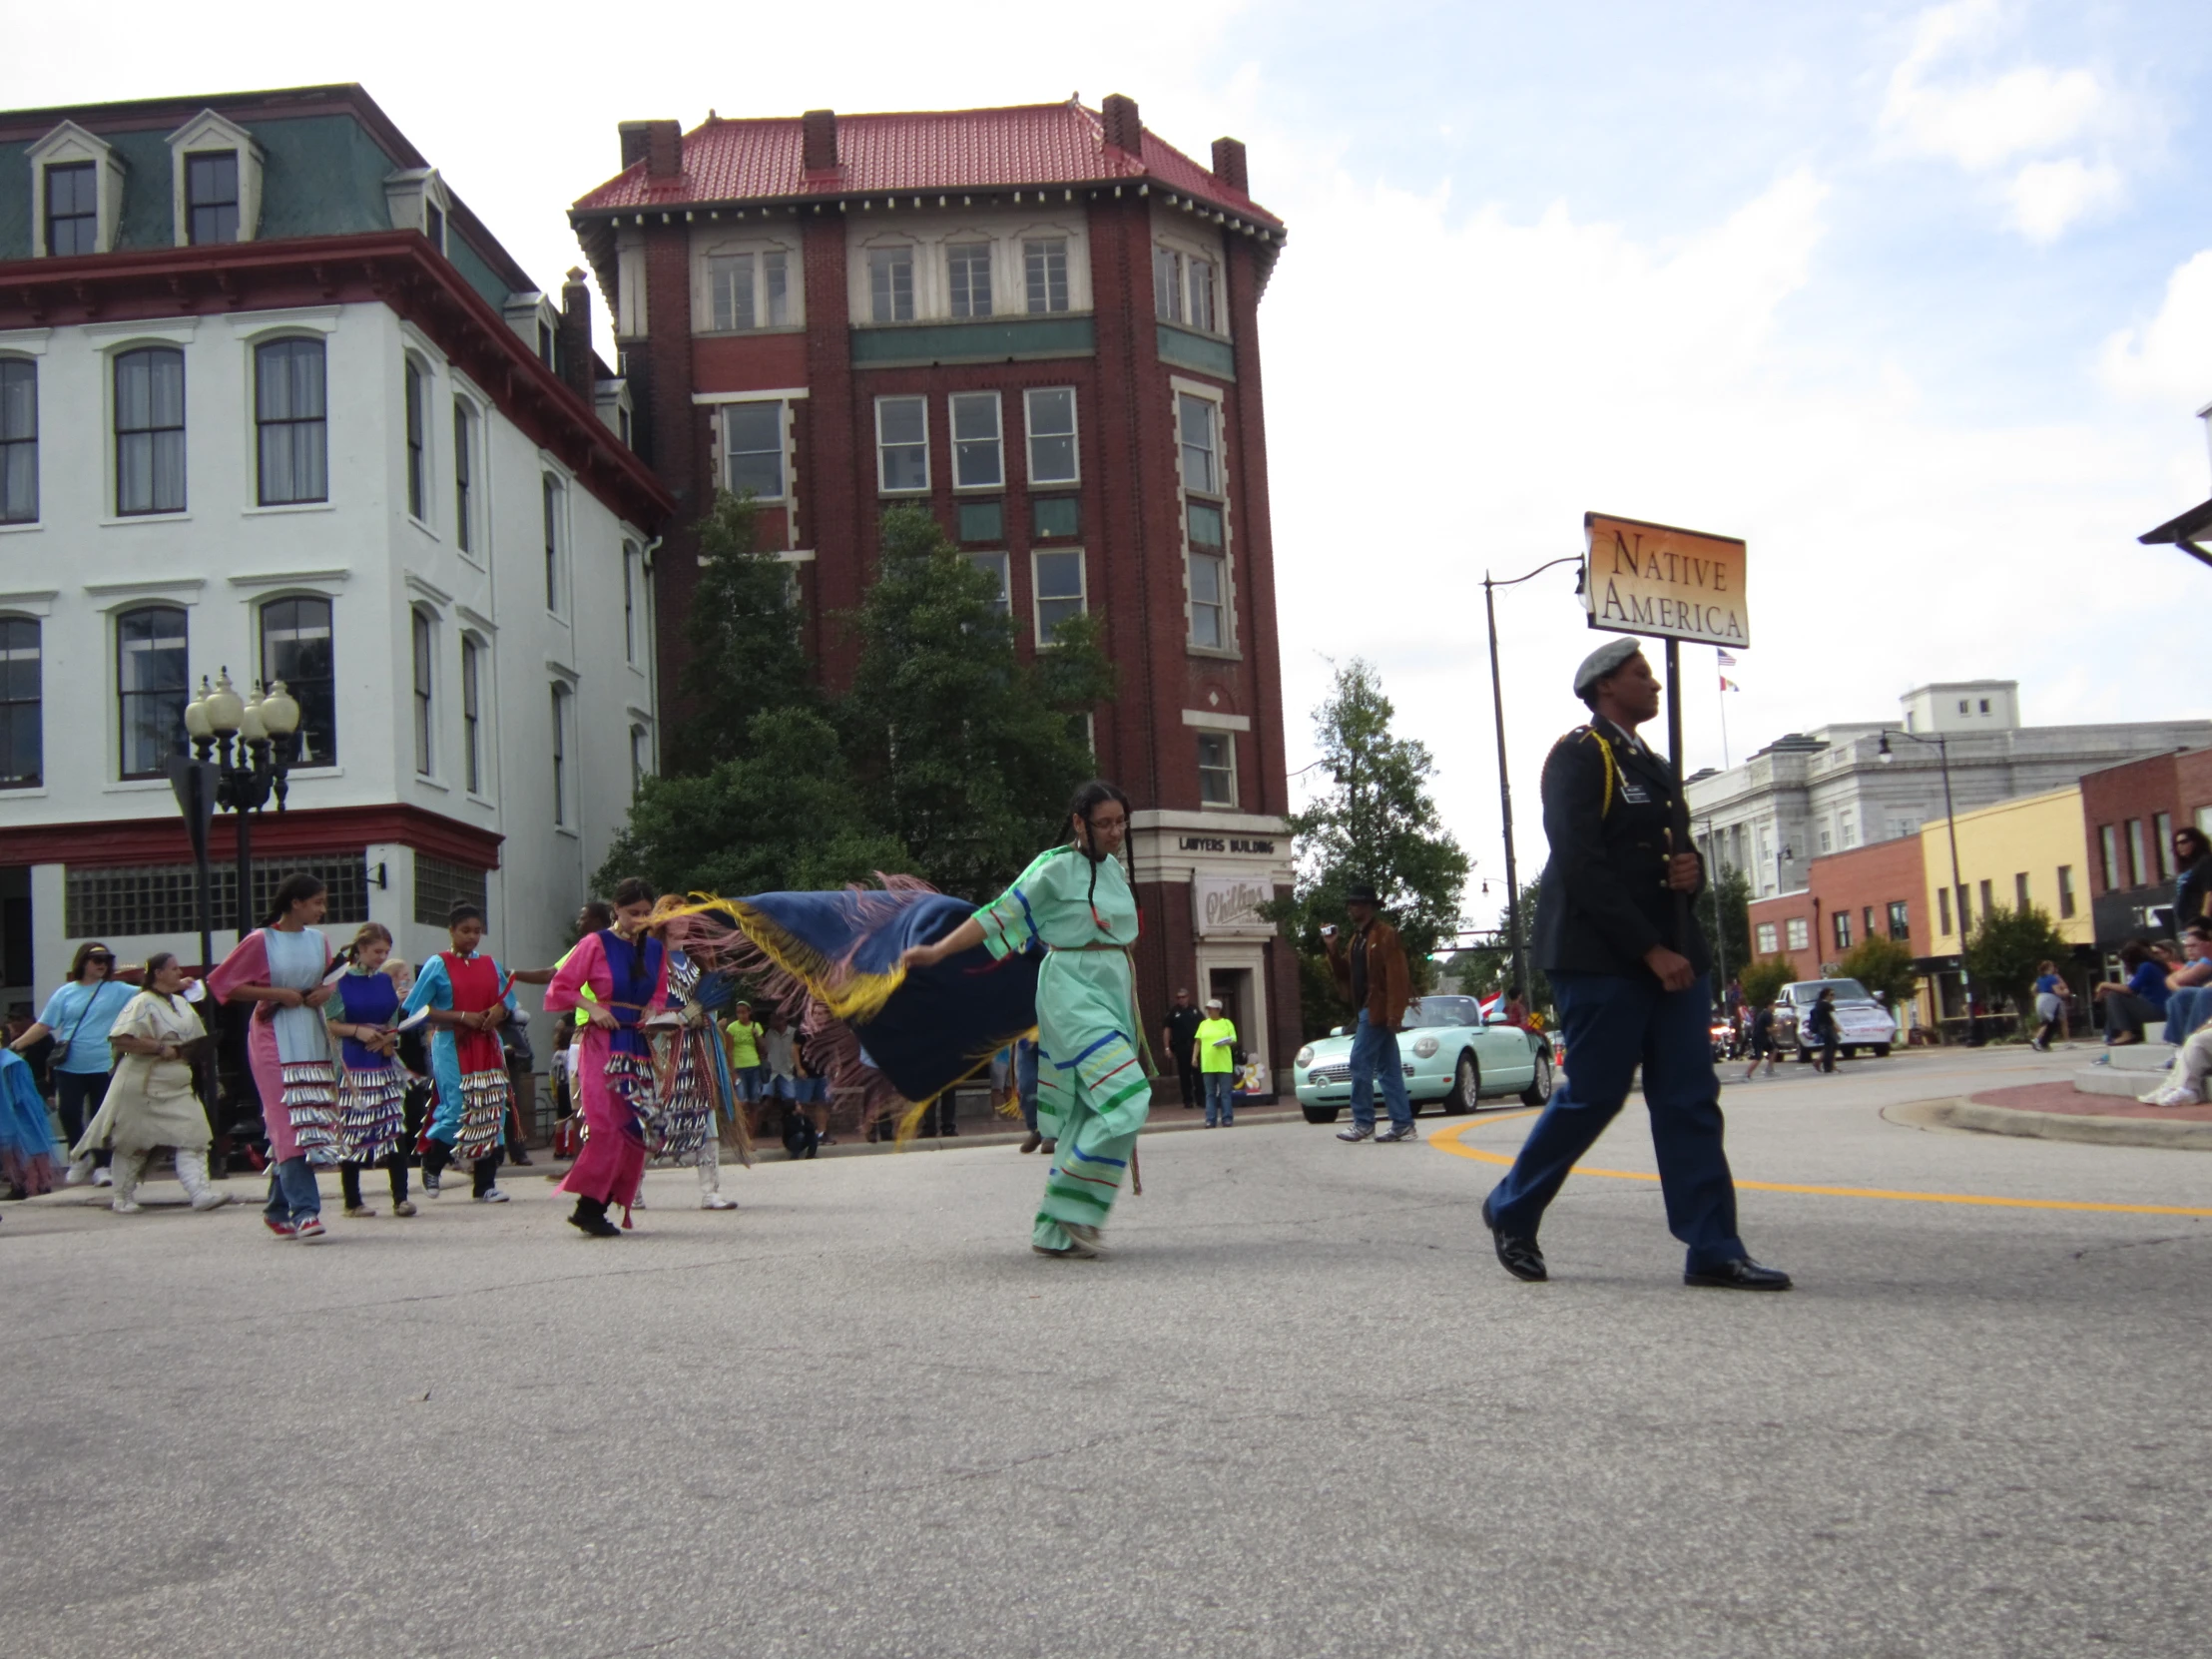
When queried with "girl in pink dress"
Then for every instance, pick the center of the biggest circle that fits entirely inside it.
(625, 969)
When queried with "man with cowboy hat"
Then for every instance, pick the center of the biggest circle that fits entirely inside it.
(1370, 972)
(1627, 967)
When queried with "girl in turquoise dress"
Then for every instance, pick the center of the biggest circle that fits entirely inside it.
(1092, 1092)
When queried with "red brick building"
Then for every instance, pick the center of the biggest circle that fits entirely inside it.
(2130, 814)
(1041, 323)
(1849, 896)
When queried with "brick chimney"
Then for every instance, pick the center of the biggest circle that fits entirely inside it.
(575, 334)
(633, 142)
(1229, 164)
(664, 150)
(820, 141)
(1123, 130)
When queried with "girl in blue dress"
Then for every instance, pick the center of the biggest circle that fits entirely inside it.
(372, 1085)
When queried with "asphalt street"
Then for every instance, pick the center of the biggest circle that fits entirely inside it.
(1300, 1412)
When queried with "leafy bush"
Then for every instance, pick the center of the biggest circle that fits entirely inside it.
(1884, 965)
(1764, 979)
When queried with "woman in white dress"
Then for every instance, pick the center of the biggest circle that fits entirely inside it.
(149, 1102)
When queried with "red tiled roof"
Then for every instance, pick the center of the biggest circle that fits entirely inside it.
(938, 149)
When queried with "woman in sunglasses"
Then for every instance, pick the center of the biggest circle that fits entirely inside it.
(78, 1018)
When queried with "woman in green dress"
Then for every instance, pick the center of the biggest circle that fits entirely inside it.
(1092, 1092)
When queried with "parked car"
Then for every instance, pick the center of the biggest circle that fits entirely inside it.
(1862, 1021)
(1451, 1058)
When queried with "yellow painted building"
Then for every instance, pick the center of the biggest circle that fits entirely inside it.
(2031, 851)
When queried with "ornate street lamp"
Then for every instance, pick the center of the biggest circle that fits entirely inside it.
(252, 742)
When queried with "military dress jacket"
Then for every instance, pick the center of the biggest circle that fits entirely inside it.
(1603, 899)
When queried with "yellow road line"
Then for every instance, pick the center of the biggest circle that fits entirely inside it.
(1448, 1139)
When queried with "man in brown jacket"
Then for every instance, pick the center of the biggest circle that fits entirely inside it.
(1371, 972)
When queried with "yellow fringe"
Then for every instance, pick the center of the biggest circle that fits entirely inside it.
(856, 999)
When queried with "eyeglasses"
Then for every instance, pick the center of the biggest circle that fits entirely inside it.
(102, 957)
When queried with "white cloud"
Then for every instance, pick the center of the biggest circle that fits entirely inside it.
(1992, 122)
(2168, 360)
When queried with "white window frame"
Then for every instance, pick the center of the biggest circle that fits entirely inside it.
(553, 530)
(633, 599)
(561, 704)
(206, 133)
(1067, 277)
(1799, 932)
(67, 145)
(1228, 740)
(912, 253)
(426, 378)
(975, 448)
(967, 245)
(1030, 434)
(37, 439)
(783, 452)
(1215, 496)
(883, 484)
(1038, 600)
(1769, 937)
(468, 450)
(422, 699)
(1186, 258)
(475, 686)
(712, 267)
(161, 340)
(1000, 565)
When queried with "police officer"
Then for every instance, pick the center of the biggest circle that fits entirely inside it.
(1631, 990)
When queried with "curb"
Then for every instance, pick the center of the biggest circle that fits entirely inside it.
(1981, 1118)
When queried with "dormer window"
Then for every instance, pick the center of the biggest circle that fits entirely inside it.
(417, 200)
(433, 224)
(216, 184)
(77, 190)
(72, 210)
(212, 196)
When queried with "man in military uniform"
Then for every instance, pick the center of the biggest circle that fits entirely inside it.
(1630, 981)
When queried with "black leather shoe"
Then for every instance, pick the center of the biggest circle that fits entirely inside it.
(1743, 1274)
(1517, 1255)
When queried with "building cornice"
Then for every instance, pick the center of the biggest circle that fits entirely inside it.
(162, 840)
(399, 268)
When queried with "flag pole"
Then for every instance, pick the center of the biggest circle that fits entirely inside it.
(1723, 694)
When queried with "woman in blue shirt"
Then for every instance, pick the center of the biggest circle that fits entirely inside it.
(2051, 996)
(2131, 1005)
(78, 1018)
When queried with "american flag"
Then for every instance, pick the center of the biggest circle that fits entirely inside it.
(1729, 685)
(1724, 658)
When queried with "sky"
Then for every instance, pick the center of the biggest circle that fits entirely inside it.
(1916, 299)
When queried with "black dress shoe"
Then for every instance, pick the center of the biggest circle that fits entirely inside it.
(1516, 1255)
(1743, 1274)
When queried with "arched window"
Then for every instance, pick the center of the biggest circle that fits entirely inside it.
(149, 431)
(151, 691)
(472, 713)
(464, 475)
(418, 441)
(22, 763)
(561, 698)
(296, 648)
(425, 723)
(290, 421)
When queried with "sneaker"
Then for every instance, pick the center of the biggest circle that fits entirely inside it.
(359, 1212)
(637, 1202)
(430, 1183)
(1032, 1141)
(1395, 1133)
(405, 1207)
(103, 1176)
(126, 1206)
(2178, 1094)
(213, 1199)
(490, 1194)
(1355, 1133)
(1076, 1251)
(282, 1229)
(1086, 1240)
(715, 1200)
(311, 1231)
(79, 1174)
(595, 1227)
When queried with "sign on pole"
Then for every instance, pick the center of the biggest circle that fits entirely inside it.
(1672, 584)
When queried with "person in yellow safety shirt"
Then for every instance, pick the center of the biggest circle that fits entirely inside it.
(1215, 1046)
(743, 1034)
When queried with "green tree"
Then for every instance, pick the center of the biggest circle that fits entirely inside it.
(784, 816)
(1882, 965)
(1724, 915)
(743, 631)
(1486, 968)
(1375, 822)
(2005, 949)
(1763, 980)
(961, 750)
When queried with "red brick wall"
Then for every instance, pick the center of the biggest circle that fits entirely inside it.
(1848, 881)
(2139, 790)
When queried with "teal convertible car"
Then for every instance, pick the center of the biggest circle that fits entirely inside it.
(1450, 1056)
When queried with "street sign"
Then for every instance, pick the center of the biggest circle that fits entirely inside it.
(1667, 583)
(196, 803)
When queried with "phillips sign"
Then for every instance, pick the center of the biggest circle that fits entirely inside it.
(1654, 579)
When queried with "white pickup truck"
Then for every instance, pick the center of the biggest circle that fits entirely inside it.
(1861, 1021)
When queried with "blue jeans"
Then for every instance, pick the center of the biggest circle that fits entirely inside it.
(1026, 1083)
(292, 1194)
(1375, 1059)
(1613, 1023)
(1218, 1098)
(2186, 1009)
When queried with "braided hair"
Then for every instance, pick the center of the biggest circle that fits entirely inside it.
(1087, 800)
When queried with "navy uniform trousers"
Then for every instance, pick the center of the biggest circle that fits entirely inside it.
(1612, 1024)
